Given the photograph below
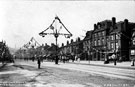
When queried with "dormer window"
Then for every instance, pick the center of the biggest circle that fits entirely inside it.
(98, 25)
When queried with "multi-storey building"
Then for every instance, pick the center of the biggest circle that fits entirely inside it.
(132, 44)
(99, 39)
(109, 37)
(87, 45)
(73, 48)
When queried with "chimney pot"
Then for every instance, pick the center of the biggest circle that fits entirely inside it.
(113, 21)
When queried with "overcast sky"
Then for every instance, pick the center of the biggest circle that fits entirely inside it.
(21, 20)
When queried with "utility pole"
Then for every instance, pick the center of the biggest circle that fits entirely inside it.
(115, 58)
(56, 33)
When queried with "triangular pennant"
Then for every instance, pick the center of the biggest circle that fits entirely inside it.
(60, 27)
(35, 44)
(51, 27)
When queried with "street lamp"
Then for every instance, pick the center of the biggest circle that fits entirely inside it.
(56, 33)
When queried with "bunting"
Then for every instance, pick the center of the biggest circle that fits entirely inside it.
(51, 27)
(60, 27)
(31, 44)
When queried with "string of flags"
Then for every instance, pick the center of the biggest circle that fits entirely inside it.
(31, 44)
(53, 26)
(102, 51)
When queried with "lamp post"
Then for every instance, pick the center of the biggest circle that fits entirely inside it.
(56, 33)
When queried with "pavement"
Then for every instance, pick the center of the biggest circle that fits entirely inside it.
(126, 65)
(94, 68)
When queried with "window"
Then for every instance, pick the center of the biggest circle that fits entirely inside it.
(117, 36)
(95, 43)
(112, 45)
(112, 37)
(99, 26)
(133, 41)
(109, 47)
(132, 52)
(103, 41)
(95, 35)
(99, 42)
(89, 42)
(103, 33)
(117, 45)
(99, 34)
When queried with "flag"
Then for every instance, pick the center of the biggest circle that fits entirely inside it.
(133, 34)
(35, 44)
(60, 27)
(51, 27)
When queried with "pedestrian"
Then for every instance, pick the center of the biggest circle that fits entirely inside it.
(39, 63)
(114, 58)
(75, 57)
(132, 62)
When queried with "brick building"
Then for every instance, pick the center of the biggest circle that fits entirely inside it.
(110, 37)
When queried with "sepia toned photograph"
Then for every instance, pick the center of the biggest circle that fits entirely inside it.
(67, 43)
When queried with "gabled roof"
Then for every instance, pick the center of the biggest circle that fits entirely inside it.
(88, 35)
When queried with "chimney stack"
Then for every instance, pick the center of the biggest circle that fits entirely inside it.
(67, 42)
(62, 45)
(95, 26)
(126, 25)
(113, 21)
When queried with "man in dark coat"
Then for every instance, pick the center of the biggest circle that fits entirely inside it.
(39, 63)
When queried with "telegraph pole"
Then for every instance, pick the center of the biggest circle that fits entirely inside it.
(56, 34)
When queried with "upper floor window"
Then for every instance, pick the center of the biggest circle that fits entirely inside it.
(133, 38)
(109, 47)
(117, 36)
(95, 35)
(99, 42)
(117, 45)
(89, 42)
(95, 43)
(103, 41)
(103, 33)
(133, 41)
(112, 37)
(99, 34)
(112, 45)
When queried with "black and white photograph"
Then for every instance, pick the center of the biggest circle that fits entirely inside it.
(67, 43)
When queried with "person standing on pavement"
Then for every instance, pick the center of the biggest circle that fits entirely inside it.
(39, 62)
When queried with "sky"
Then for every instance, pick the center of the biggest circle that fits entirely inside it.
(22, 20)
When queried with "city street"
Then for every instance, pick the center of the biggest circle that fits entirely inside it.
(27, 74)
(72, 43)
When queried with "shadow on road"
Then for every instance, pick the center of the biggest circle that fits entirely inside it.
(2, 67)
